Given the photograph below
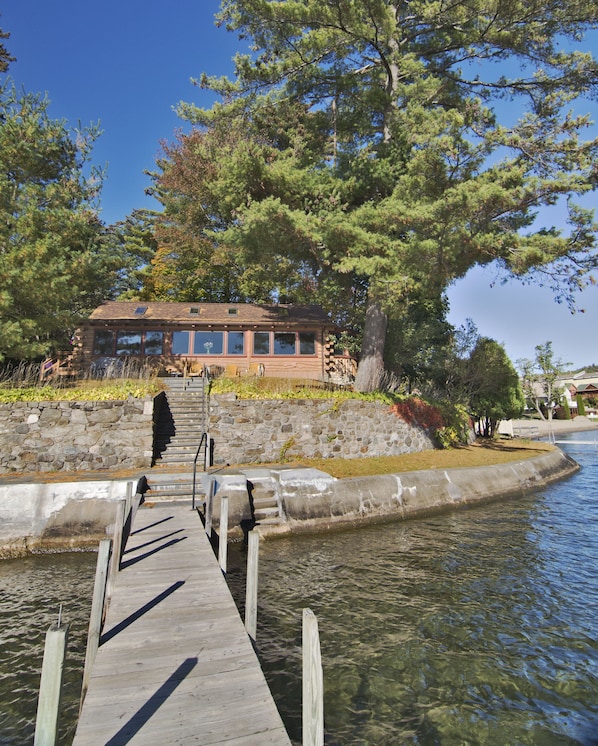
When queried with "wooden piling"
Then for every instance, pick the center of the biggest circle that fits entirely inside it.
(313, 682)
(253, 547)
(50, 691)
(116, 553)
(96, 619)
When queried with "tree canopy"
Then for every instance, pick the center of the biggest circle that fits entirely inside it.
(57, 260)
(387, 147)
(495, 391)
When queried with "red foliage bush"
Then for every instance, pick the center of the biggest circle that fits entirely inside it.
(418, 412)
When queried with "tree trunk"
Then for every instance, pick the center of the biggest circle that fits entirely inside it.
(371, 363)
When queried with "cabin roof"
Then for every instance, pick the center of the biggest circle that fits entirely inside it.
(210, 313)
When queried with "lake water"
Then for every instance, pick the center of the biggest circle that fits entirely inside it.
(473, 627)
(32, 591)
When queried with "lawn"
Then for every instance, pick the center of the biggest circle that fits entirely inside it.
(479, 454)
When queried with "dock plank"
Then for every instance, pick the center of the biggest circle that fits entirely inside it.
(175, 665)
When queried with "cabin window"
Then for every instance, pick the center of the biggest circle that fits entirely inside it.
(236, 343)
(284, 343)
(154, 343)
(261, 343)
(208, 343)
(307, 343)
(128, 343)
(103, 343)
(180, 343)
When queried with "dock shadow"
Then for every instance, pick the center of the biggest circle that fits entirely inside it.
(134, 560)
(136, 722)
(140, 612)
(153, 541)
(151, 525)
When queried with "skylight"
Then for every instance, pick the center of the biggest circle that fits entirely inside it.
(140, 310)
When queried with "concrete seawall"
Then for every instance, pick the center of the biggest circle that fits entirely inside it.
(323, 503)
(57, 516)
(54, 516)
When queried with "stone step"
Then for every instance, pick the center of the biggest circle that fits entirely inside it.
(263, 513)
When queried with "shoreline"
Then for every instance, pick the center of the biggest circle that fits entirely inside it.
(546, 428)
(70, 513)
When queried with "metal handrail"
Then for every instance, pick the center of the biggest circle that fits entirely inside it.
(204, 438)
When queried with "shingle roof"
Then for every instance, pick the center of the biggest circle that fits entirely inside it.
(211, 313)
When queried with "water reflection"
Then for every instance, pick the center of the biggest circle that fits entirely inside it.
(474, 627)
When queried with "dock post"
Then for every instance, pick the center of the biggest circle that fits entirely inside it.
(117, 541)
(223, 534)
(96, 618)
(253, 546)
(313, 682)
(50, 691)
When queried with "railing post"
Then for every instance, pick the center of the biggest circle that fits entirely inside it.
(50, 690)
(223, 534)
(253, 547)
(96, 617)
(117, 540)
(313, 682)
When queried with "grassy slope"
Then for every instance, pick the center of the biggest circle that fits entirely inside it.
(479, 454)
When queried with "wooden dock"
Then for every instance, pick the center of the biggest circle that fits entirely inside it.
(175, 664)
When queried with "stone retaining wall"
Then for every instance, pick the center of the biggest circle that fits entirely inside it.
(87, 436)
(75, 436)
(248, 431)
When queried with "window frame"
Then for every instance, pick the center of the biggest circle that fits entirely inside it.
(102, 351)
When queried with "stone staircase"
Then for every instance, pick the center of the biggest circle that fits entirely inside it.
(181, 420)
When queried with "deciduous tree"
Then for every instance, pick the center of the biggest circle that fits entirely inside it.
(539, 379)
(495, 391)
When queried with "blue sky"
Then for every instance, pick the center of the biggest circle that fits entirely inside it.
(127, 64)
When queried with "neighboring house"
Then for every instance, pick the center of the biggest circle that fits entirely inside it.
(584, 385)
(570, 385)
(232, 338)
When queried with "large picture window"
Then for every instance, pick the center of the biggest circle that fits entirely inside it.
(180, 343)
(128, 343)
(103, 343)
(261, 343)
(307, 343)
(284, 343)
(154, 343)
(236, 343)
(208, 343)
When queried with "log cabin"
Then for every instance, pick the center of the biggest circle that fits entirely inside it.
(280, 341)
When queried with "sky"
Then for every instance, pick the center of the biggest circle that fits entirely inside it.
(127, 64)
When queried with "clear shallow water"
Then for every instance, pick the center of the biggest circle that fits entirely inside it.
(475, 627)
(31, 592)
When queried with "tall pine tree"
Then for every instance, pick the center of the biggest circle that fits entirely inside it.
(425, 138)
